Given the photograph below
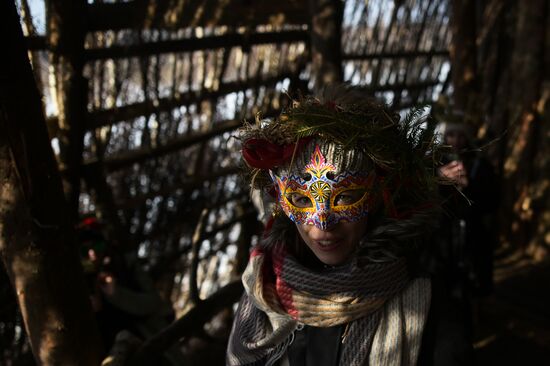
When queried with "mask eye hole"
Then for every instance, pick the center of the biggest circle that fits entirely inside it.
(330, 175)
(299, 200)
(306, 177)
(349, 197)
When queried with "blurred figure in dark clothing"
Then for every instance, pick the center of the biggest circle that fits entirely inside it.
(463, 253)
(123, 295)
(108, 276)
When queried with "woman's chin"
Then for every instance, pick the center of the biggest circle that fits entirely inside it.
(333, 255)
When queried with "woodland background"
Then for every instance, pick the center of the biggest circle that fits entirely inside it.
(126, 110)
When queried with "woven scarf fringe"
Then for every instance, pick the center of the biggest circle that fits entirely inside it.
(279, 351)
(399, 334)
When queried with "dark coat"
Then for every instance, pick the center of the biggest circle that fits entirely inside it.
(446, 341)
(462, 250)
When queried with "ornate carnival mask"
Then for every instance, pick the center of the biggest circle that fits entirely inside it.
(321, 195)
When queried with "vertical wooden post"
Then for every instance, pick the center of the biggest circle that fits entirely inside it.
(66, 32)
(326, 42)
(515, 92)
(36, 237)
(525, 178)
(250, 226)
(463, 52)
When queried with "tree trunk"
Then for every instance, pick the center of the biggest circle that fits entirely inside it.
(513, 45)
(66, 32)
(35, 233)
(524, 186)
(463, 51)
(326, 38)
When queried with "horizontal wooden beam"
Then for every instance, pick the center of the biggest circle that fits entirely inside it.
(400, 86)
(191, 323)
(195, 44)
(116, 16)
(227, 225)
(130, 157)
(176, 255)
(188, 183)
(176, 221)
(164, 14)
(394, 55)
(125, 159)
(107, 117)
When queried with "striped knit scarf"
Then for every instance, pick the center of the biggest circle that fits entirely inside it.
(385, 310)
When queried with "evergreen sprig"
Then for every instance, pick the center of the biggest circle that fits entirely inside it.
(405, 149)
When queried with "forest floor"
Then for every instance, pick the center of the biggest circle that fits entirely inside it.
(513, 325)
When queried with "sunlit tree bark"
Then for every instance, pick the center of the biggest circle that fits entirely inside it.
(513, 52)
(526, 178)
(463, 51)
(66, 31)
(36, 238)
(326, 49)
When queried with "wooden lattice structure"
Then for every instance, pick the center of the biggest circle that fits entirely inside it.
(164, 93)
(143, 99)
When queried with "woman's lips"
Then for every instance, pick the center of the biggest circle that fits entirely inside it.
(328, 245)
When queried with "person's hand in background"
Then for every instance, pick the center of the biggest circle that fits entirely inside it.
(455, 172)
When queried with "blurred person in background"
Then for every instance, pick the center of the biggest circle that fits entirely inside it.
(463, 246)
(122, 294)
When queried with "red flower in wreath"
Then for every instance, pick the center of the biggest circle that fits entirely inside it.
(262, 154)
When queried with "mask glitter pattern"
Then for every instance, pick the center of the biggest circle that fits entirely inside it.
(322, 185)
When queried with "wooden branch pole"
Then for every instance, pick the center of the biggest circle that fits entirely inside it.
(195, 13)
(188, 183)
(526, 167)
(326, 48)
(192, 322)
(107, 117)
(463, 51)
(195, 44)
(124, 160)
(250, 226)
(117, 232)
(66, 32)
(207, 235)
(194, 297)
(395, 55)
(35, 232)
(31, 31)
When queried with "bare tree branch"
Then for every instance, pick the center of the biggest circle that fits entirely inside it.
(187, 325)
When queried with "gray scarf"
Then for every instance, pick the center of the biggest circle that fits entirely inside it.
(385, 310)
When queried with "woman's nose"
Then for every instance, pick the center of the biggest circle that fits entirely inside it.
(325, 221)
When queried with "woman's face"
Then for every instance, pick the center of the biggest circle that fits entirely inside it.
(336, 245)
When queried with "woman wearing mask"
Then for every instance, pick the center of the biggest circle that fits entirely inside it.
(334, 281)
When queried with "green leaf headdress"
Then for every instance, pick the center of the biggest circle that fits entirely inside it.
(402, 152)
